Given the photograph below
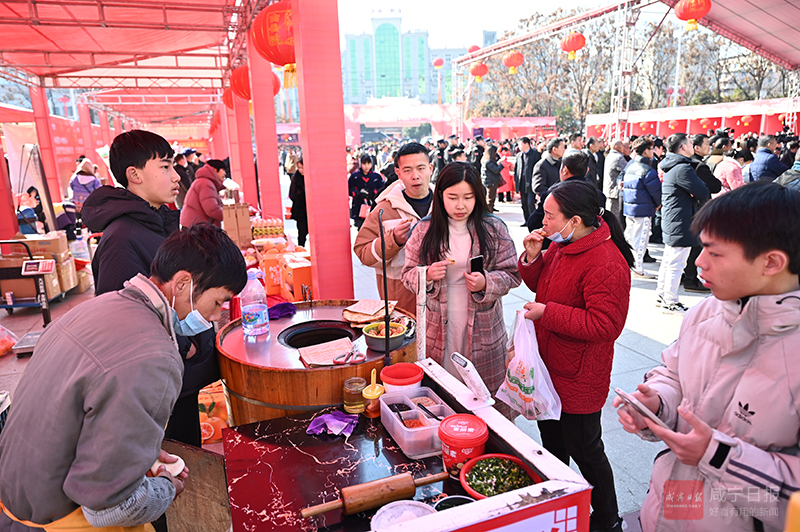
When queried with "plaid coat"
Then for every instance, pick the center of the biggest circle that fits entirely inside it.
(486, 327)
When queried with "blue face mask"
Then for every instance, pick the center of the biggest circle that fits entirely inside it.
(194, 323)
(558, 238)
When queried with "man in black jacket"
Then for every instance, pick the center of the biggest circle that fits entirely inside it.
(702, 147)
(681, 193)
(546, 171)
(437, 157)
(523, 172)
(591, 150)
(135, 220)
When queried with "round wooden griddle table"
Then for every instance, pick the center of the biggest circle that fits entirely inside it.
(264, 378)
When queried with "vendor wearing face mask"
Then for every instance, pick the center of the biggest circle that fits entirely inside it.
(89, 413)
(582, 286)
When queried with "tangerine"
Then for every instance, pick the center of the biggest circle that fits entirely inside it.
(206, 431)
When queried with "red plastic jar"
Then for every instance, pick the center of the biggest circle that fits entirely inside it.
(401, 377)
(463, 438)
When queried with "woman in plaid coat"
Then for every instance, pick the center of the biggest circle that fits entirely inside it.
(464, 310)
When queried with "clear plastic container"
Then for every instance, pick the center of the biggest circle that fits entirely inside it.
(420, 442)
(255, 314)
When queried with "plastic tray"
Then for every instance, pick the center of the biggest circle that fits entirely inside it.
(415, 443)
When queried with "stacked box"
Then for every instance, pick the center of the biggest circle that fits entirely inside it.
(236, 222)
(26, 288)
(54, 243)
(67, 274)
(296, 272)
(85, 281)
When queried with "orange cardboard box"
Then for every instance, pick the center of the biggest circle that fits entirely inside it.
(85, 281)
(67, 274)
(296, 272)
(54, 242)
(272, 266)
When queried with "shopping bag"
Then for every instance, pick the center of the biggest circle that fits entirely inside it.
(528, 388)
(364, 211)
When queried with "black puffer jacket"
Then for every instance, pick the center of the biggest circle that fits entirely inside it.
(132, 231)
(681, 194)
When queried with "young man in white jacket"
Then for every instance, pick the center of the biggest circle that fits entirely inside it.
(730, 385)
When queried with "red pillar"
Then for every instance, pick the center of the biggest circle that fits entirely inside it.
(8, 218)
(264, 129)
(241, 109)
(86, 131)
(117, 126)
(104, 128)
(229, 123)
(44, 134)
(319, 80)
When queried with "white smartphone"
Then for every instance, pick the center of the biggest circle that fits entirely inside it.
(639, 407)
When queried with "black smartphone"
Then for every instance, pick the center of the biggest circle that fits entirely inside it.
(476, 264)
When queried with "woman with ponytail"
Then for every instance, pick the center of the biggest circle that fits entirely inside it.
(582, 286)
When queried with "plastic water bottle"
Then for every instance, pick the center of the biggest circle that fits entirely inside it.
(255, 315)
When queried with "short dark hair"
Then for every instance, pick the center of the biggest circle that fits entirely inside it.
(478, 137)
(698, 139)
(721, 142)
(764, 140)
(675, 141)
(641, 145)
(179, 157)
(207, 253)
(135, 148)
(455, 154)
(216, 164)
(526, 140)
(366, 158)
(576, 163)
(553, 143)
(590, 141)
(574, 136)
(746, 216)
(409, 148)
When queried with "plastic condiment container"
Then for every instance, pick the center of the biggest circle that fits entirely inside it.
(463, 437)
(399, 512)
(401, 377)
(372, 395)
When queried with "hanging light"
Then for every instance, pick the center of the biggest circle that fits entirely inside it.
(438, 63)
(273, 35)
(673, 124)
(572, 42)
(512, 60)
(746, 119)
(478, 70)
(240, 82)
(691, 11)
(472, 49)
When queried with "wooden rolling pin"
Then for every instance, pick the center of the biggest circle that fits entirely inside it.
(373, 494)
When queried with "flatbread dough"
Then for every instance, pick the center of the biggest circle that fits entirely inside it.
(174, 469)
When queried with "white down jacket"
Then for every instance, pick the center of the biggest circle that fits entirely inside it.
(736, 365)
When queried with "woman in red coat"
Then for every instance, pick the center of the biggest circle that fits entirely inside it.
(505, 192)
(582, 284)
(203, 202)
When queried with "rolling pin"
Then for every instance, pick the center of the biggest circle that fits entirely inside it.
(373, 494)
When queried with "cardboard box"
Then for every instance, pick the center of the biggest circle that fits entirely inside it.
(272, 266)
(85, 281)
(67, 275)
(296, 272)
(54, 242)
(25, 288)
(236, 222)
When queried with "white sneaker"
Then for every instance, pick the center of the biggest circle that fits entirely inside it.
(677, 308)
(643, 275)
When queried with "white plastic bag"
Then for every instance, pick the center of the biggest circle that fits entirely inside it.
(527, 387)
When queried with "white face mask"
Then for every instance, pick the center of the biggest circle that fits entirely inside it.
(558, 238)
(194, 323)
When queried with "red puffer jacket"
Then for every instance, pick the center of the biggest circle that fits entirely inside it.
(202, 202)
(586, 288)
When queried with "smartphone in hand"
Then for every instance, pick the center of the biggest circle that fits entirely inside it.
(639, 407)
(476, 264)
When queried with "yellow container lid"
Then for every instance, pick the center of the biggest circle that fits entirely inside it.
(374, 390)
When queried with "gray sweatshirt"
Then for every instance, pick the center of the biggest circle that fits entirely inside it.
(88, 416)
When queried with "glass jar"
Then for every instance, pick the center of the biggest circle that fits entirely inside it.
(352, 395)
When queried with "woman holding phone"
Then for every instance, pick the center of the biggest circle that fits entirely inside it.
(582, 286)
(464, 311)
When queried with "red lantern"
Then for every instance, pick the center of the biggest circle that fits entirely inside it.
(473, 49)
(240, 82)
(746, 119)
(573, 42)
(691, 11)
(227, 98)
(273, 35)
(782, 117)
(512, 60)
(276, 84)
(438, 63)
(643, 125)
(705, 122)
(673, 124)
(478, 70)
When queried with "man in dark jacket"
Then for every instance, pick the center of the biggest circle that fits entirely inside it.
(523, 172)
(791, 177)
(789, 153)
(681, 193)
(701, 147)
(453, 145)
(476, 154)
(641, 194)
(591, 150)
(297, 193)
(546, 171)
(437, 157)
(765, 165)
(135, 220)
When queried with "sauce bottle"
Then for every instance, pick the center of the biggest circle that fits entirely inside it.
(372, 394)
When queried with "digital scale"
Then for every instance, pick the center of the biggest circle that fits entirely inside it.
(38, 267)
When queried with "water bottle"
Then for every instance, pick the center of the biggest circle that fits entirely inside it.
(255, 315)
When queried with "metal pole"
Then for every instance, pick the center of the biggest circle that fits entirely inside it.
(422, 309)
